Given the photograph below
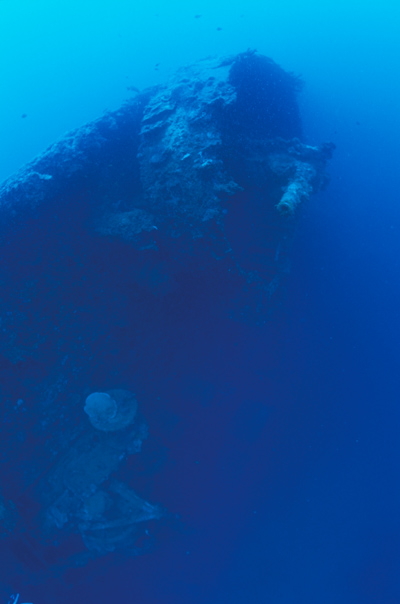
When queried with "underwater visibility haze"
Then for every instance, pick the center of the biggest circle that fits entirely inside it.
(199, 311)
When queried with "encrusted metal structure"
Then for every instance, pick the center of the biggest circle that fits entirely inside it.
(179, 204)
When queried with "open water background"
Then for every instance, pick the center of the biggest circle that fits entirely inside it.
(293, 494)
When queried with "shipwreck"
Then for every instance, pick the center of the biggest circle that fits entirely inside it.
(180, 203)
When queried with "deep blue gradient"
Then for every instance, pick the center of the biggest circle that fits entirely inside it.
(275, 448)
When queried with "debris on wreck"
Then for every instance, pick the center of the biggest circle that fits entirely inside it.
(112, 410)
(82, 494)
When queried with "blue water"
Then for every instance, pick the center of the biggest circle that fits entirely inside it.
(284, 466)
